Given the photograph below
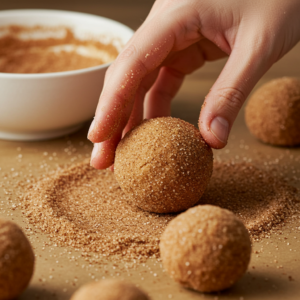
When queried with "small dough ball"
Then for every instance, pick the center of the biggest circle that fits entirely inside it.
(273, 112)
(109, 289)
(164, 165)
(16, 260)
(206, 248)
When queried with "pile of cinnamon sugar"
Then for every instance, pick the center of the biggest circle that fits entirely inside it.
(85, 208)
(49, 49)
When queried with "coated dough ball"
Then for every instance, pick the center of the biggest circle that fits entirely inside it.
(273, 112)
(164, 165)
(16, 260)
(206, 248)
(109, 289)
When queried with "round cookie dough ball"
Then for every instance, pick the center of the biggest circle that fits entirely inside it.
(206, 248)
(273, 112)
(109, 289)
(164, 165)
(16, 260)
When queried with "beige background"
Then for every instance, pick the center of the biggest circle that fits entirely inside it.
(274, 271)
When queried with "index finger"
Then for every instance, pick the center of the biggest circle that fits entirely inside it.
(144, 53)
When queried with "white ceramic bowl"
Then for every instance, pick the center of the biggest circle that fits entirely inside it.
(48, 105)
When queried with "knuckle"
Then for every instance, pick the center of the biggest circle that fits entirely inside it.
(197, 64)
(141, 67)
(187, 60)
(163, 96)
(127, 52)
(230, 98)
(176, 72)
(133, 55)
(189, 66)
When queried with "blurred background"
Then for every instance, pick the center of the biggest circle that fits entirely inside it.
(132, 13)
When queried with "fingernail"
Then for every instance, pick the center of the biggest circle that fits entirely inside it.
(95, 151)
(91, 128)
(220, 129)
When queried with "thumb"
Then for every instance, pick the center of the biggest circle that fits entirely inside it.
(241, 72)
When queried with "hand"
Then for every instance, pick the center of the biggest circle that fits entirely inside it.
(177, 38)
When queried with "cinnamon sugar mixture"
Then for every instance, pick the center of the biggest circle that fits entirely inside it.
(85, 208)
(259, 199)
(49, 49)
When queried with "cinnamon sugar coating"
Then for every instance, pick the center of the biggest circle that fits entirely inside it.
(164, 165)
(273, 112)
(206, 248)
(109, 289)
(16, 260)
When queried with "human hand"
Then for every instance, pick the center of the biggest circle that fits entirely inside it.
(177, 38)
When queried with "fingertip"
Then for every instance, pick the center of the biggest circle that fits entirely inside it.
(211, 140)
(210, 137)
(105, 127)
(103, 155)
(94, 134)
(219, 127)
(99, 164)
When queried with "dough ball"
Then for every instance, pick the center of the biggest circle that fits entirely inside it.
(109, 289)
(206, 248)
(164, 165)
(273, 112)
(16, 260)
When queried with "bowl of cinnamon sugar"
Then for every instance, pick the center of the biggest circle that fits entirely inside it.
(52, 67)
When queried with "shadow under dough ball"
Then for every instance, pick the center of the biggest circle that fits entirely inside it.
(206, 248)
(164, 165)
(109, 289)
(273, 112)
(16, 260)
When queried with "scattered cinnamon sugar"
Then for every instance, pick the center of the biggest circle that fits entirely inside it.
(85, 208)
(49, 49)
(258, 198)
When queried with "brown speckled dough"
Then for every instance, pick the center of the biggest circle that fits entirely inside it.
(206, 248)
(109, 289)
(16, 260)
(273, 112)
(164, 164)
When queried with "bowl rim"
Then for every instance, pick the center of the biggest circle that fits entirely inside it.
(62, 73)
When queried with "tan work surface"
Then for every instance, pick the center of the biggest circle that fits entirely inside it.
(274, 271)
